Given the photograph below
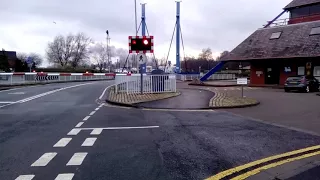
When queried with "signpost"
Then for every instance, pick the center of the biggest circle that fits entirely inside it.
(142, 59)
(29, 61)
(242, 81)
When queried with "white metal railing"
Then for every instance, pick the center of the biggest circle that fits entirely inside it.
(190, 77)
(35, 78)
(222, 77)
(131, 84)
(187, 77)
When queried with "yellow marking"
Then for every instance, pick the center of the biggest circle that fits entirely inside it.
(254, 163)
(258, 170)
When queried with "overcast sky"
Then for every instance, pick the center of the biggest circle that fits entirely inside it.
(27, 25)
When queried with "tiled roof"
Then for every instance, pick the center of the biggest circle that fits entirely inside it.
(294, 41)
(297, 3)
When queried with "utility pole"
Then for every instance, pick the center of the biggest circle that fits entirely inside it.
(136, 33)
(178, 66)
(108, 52)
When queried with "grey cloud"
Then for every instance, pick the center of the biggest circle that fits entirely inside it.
(220, 25)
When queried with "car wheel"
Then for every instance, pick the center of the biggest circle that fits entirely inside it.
(307, 89)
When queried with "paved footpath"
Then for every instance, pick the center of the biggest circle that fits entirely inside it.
(66, 135)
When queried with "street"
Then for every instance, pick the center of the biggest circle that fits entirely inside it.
(70, 134)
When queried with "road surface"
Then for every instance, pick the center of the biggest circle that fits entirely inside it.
(61, 131)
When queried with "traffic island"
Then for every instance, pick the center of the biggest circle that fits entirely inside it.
(222, 100)
(124, 99)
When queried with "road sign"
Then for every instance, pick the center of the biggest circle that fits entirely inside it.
(142, 58)
(242, 81)
(29, 60)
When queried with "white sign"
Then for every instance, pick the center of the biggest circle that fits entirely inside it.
(142, 58)
(242, 81)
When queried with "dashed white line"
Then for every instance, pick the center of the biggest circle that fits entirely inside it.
(96, 131)
(62, 142)
(239, 88)
(86, 118)
(101, 105)
(74, 132)
(44, 159)
(92, 113)
(96, 109)
(25, 177)
(89, 142)
(79, 124)
(66, 176)
(225, 89)
(77, 159)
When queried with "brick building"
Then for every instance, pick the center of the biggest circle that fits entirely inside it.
(284, 47)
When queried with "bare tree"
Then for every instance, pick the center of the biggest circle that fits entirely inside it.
(100, 55)
(206, 54)
(36, 58)
(80, 53)
(70, 50)
(223, 55)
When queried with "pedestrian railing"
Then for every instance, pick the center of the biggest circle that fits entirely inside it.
(222, 77)
(218, 76)
(131, 84)
(38, 78)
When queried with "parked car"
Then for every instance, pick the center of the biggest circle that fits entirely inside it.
(301, 83)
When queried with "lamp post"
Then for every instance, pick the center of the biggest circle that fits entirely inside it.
(178, 66)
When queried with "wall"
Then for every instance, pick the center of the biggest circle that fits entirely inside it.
(304, 19)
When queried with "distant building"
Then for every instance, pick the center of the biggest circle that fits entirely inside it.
(285, 48)
(11, 56)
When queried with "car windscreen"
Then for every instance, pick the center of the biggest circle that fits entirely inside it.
(298, 78)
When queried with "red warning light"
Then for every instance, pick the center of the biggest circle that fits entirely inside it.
(134, 42)
(145, 42)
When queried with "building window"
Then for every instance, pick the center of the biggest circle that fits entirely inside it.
(301, 71)
(275, 35)
(315, 31)
(316, 71)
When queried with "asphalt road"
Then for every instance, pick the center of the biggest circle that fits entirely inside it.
(126, 143)
(188, 99)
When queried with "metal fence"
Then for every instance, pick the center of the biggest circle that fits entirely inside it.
(38, 78)
(218, 76)
(131, 84)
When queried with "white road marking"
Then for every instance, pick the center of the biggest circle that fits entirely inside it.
(62, 142)
(49, 92)
(77, 159)
(44, 159)
(101, 105)
(74, 132)
(250, 87)
(79, 124)
(225, 89)
(86, 118)
(96, 109)
(239, 88)
(232, 89)
(104, 91)
(67, 176)
(25, 177)
(17, 93)
(92, 113)
(6, 102)
(96, 131)
(89, 142)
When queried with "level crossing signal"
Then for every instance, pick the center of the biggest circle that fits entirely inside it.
(140, 44)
